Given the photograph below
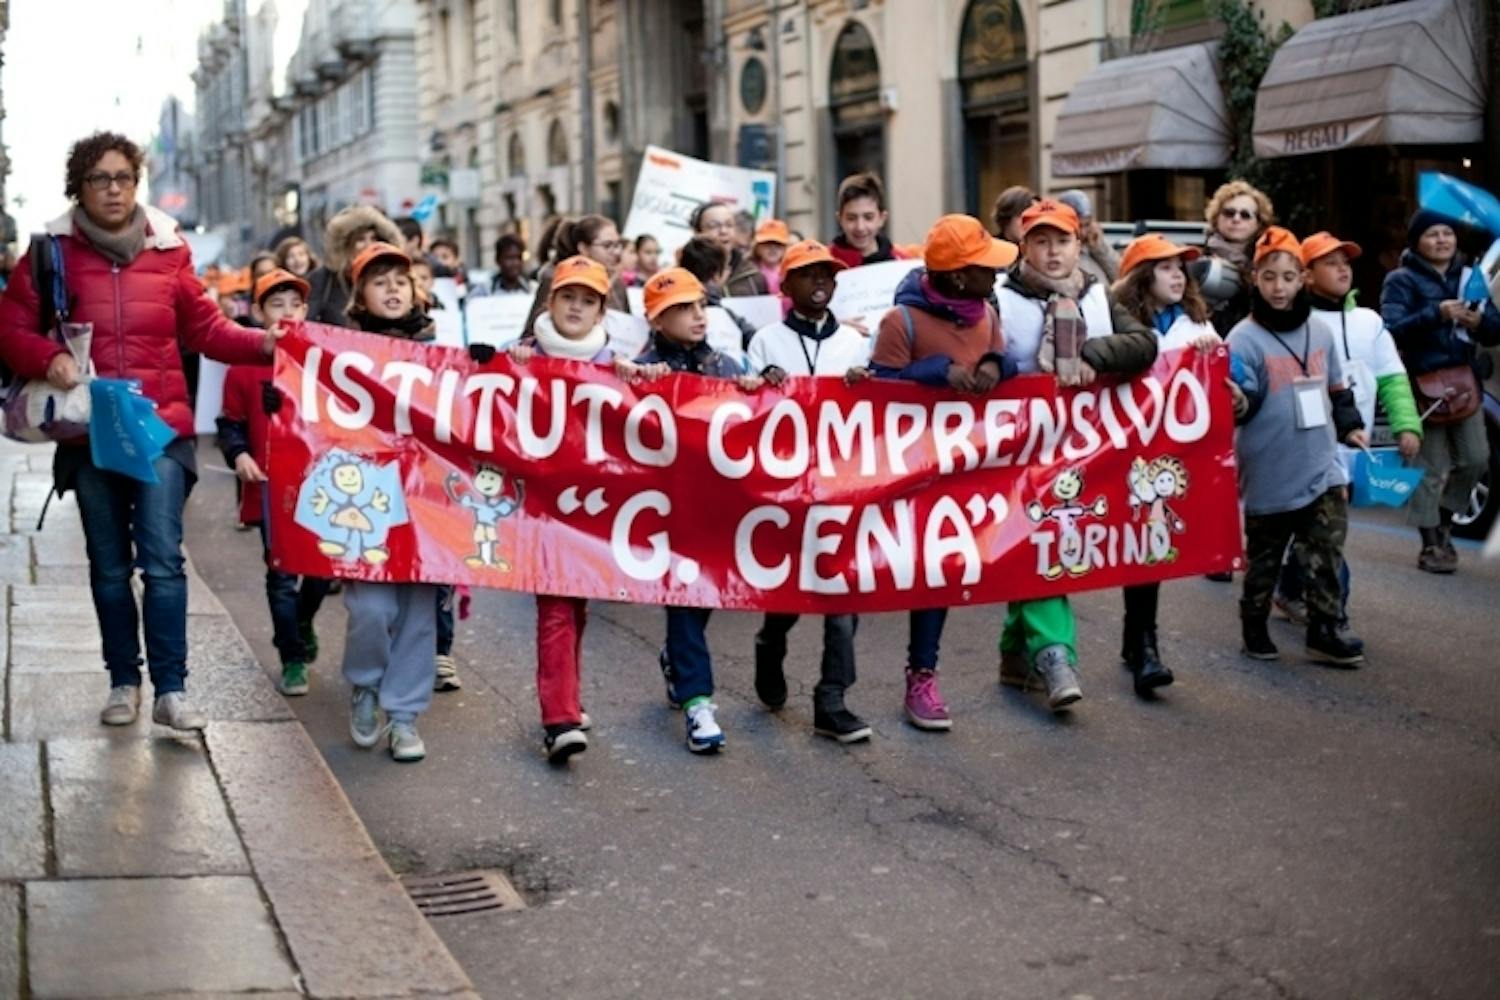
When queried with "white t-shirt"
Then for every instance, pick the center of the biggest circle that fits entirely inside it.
(780, 345)
(1183, 332)
(1022, 321)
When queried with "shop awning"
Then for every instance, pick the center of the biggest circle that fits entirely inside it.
(1407, 74)
(1162, 110)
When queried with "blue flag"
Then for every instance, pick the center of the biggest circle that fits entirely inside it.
(1381, 480)
(125, 433)
(1460, 201)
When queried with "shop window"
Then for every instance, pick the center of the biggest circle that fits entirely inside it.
(995, 89)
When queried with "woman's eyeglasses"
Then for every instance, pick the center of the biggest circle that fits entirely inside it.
(1237, 213)
(124, 180)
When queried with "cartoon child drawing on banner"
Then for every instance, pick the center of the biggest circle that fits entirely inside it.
(1151, 486)
(351, 504)
(1067, 488)
(489, 504)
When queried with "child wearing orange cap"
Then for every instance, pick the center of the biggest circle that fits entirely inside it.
(771, 240)
(1292, 482)
(1058, 318)
(1372, 369)
(1156, 287)
(244, 439)
(392, 627)
(676, 305)
(943, 332)
(572, 328)
(811, 341)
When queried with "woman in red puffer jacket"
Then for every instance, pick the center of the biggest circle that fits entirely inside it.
(129, 273)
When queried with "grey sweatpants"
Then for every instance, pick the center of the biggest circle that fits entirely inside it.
(1453, 457)
(390, 644)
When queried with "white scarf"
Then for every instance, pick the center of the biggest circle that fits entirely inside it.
(555, 345)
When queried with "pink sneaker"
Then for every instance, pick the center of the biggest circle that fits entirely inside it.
(925, 707)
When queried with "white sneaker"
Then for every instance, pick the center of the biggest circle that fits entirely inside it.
(564, 745)
(446, 678)
(172, 709)
(123, 706)
(703, 732)
(364, 718)
(406, 743)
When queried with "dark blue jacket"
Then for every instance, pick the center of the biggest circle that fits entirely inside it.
(1409, 305)
(700, 359)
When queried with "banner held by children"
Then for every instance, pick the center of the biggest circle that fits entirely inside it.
(392, 460)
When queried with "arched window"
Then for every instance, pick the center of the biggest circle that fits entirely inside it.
(515, 156)
(557, 145)
(995, 88)
(854, 102)
(611, 122)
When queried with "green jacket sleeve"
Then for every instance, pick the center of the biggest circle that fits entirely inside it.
(1394, 393)
(1130, 349)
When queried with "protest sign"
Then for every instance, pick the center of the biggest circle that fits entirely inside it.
(757, 310)
(627, 333)
(209, 400)
(497, 319)
(392, 460)
(864, 294)
(671, 185)
(448, 327)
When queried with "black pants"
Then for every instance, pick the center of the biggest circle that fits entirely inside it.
(837, 670)
(1140, 608)
(1317, 534)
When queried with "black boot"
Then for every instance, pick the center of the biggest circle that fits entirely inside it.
(1152, 673)
(770, 680)
(1434, 556)
(1326, 645)
(1258, 644)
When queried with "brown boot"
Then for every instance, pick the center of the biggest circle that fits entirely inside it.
(1434, 559)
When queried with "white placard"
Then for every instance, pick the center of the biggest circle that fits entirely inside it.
(865, 294)
(450, 327)
(637, 297)
(446, 290)
(757, 310)
(210, 399)
(497, 319)
(724, 333)
(670, 186)
(627, 334)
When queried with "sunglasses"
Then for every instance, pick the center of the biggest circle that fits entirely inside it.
(1237, 213)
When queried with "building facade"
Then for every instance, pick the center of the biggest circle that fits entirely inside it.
(171, 164)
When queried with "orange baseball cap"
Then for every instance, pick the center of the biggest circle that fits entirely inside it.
(1153, 246)
(580, 270)
(773, 231)
(279, 278)
(956, 241)
(372, 253)
(1276, 240)
(807, 253)
(672, 287)
(1324, 243)
(1048, 212)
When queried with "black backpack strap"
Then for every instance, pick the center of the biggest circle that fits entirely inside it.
(48, 279)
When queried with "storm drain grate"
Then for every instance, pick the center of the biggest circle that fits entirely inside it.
(454, 894)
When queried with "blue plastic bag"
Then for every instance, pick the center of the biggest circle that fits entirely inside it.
(1459, 201)
(1381, 480)
(125, 433)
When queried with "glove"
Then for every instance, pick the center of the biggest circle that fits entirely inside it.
(482, 353)
(270, 399)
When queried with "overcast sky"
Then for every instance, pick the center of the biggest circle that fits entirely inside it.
(73, 66)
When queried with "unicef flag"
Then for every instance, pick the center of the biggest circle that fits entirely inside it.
(1381, 480)
(1460, 201)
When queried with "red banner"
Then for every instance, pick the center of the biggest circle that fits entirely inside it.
(397, 461)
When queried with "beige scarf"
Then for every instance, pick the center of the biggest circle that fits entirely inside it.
(555, 345)
(120, 247)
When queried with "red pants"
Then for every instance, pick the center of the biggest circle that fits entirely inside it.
(559, 657)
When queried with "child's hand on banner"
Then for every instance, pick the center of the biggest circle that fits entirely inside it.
(521, 353)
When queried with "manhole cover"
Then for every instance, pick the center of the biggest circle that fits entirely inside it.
(453, 894)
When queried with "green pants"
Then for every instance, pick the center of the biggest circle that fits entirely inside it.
(1032, 626)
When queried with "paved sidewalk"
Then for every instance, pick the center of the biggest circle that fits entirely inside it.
(140, 862)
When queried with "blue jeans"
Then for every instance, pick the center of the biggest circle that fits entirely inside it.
(293, 601)
(925, 635)
(130, 525)
(687, 652)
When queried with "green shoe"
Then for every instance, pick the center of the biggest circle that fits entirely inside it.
(309, 637)
(294, 679)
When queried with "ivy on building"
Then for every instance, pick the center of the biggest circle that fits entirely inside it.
(1245, 51)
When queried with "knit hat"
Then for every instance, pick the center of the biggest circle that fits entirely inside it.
(1422, 221)
(1078, 201)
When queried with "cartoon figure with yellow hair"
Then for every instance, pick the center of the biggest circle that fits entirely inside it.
(1152, 484)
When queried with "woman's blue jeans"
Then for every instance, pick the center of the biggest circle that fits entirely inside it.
(130, 525)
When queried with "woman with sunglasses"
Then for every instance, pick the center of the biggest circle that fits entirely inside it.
(1237, 214)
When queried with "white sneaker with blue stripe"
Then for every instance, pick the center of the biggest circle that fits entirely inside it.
(703, 732)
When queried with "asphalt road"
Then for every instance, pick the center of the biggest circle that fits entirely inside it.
(1262, 830)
